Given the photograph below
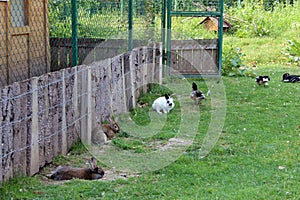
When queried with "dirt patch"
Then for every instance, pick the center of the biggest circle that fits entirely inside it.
(110, 173)
(175, 142)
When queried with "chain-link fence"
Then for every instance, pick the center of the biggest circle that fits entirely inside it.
(105, 29)
(24, 40)
(35, 36)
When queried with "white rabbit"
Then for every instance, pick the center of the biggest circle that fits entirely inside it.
(163, 104)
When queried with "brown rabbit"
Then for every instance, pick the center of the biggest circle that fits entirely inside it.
(111, 129)
(67, 172)
(107, 132)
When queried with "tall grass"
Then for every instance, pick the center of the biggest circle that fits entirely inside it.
(263, 35)
(253, 20)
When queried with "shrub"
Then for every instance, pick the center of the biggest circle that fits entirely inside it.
(232, 62)
(253, 19)
(292, 51)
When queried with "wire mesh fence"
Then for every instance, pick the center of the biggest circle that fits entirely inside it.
(24, 40)
(106, 24)
(196, 5)
(35, 36)
(29, 30)
(43, 116)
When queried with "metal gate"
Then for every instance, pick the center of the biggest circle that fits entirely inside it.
(195, 57)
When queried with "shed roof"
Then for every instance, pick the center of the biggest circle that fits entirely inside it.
(215, 20)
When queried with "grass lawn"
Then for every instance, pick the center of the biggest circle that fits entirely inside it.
(256, 156)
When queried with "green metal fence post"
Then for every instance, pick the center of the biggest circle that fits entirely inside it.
(74, 33)
(220, 36)
(130, 22)
(163, 32)
(122, 8)
(169, 7)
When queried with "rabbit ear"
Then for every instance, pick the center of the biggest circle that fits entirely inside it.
(92, 163)
(167, 96)
(113, 120)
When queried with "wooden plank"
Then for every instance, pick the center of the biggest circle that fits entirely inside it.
(123, 84)
(43, 109)
(127, 76)
(63, 57)
(83, 109)
(46, 34)
(90, 56)
(117, 85)
(35, 161)
(47, 119)
(85, 105)
(150, 55)
(71, 106)
(95, 95)
(132, 65)
(7, 138)
(209, 64)
(1, 142)
(24, 118)
(15, 120)
(158, 53)
(139, 73)
(136, 75)
(63, 143)
(101, 71)
(194, 56)
(54, 81)
(145, 67)
(89, 107)
(3, 45)
(54, 58)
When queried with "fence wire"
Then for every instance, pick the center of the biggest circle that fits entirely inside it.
(35, 36)
(103, 29)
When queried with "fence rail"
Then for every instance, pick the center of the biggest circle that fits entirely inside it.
(41, 117)
(194, 57)
(89, 50)
(188, 57)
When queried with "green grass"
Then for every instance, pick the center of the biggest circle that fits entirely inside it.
(256, 156)
(260, 135)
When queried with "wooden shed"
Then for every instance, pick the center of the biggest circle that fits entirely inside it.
(212, 23)
(24, 39)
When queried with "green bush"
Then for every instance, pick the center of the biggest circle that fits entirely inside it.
(232, 63)
(292, 51)
(252, 19)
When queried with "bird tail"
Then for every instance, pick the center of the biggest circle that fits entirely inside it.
(194, 86)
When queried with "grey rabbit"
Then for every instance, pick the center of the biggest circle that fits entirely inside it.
(67, 172)
(106, 132)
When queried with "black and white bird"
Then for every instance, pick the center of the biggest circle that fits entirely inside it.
(286, 77)
(196, 94)
(262, 80)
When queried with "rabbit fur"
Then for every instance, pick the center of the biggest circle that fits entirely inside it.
(67, 172)
(100, 135)
(163, 104)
